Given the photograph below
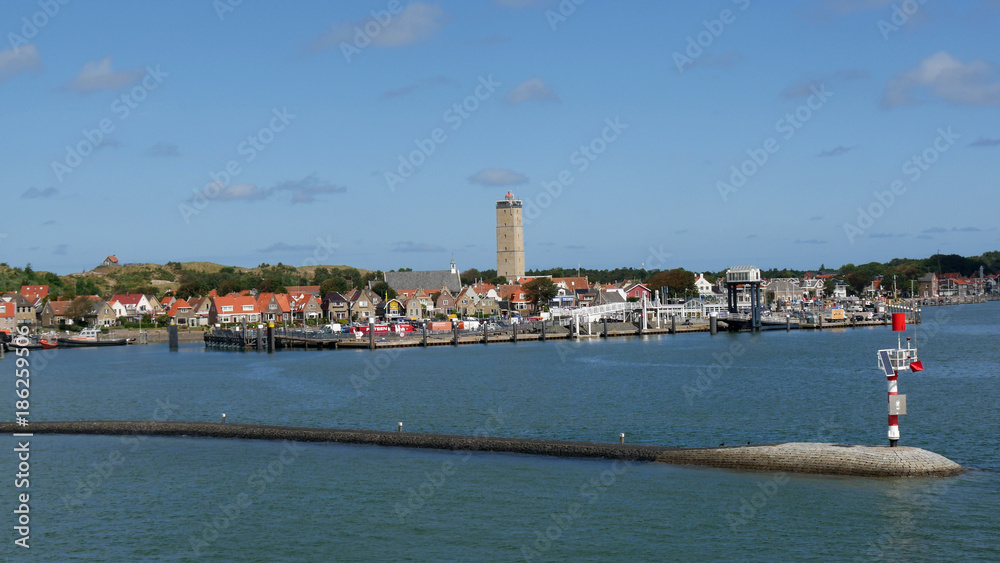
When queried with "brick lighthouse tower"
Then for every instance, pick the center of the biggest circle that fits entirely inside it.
(510, 238)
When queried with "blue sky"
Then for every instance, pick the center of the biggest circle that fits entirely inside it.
(379, 134)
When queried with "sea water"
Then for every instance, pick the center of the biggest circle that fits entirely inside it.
(176, 499)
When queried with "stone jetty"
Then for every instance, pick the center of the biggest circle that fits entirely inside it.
(795, 457)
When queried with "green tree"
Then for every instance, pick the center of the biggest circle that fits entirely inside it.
(829, 286)
(679, 281)
(858, 280)
(540, 290)
(991, 261)
(335, 283)
(383, 290)
(469, 276)
(79, 309)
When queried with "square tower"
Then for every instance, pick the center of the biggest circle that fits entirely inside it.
(510, 238)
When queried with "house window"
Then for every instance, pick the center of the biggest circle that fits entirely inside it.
(248, 307)
(227, 309)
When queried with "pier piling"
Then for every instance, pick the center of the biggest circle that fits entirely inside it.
(172, 336)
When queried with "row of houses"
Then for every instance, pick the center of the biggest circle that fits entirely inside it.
(953, 284)
(422, 295)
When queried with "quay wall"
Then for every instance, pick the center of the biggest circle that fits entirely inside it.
(795, 457)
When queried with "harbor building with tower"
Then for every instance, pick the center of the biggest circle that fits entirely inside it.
(510, 238)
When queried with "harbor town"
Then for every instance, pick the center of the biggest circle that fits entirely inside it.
(413, 308)
(285, 306)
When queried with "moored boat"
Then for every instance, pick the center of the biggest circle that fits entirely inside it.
(89, 337)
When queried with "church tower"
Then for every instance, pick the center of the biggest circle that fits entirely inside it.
(510, 238)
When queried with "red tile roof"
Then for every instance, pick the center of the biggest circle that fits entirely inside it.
(59, 307)
(34, 292)
(237, 302)
(126, 299)
(177, 304)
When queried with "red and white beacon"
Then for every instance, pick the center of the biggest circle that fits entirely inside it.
(891, 362)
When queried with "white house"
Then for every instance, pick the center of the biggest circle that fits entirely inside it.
(130, 305)
(703, 286)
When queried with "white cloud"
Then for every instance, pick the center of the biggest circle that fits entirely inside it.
(722, 60)
(163, 149)
(410, 246)
(837, 151)
(852, 6)
(531, 89)
(439, 80)
(13, 61)
(826, 10)
(285, 247)
(498, 177)
(98, 75)
(418, 21)
(241, 192)
(945, 77)
(805, 88)
(521, 3)
(33, 192)
(306, 189)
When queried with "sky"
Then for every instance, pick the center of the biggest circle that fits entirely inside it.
(379, 134)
